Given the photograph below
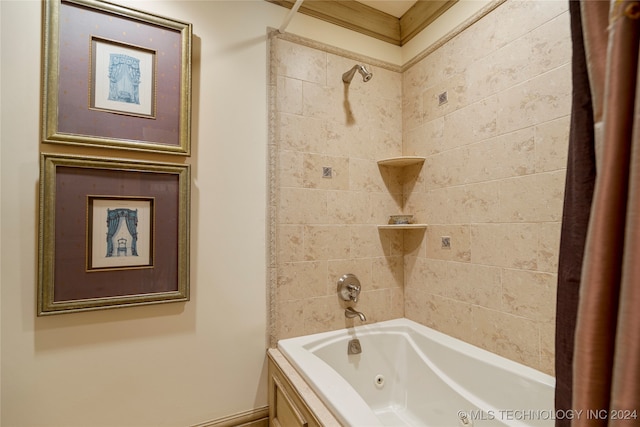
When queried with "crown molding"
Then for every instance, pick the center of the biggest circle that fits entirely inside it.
(372, 22)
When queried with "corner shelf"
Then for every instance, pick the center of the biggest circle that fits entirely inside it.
(401, 161)
(402, 226)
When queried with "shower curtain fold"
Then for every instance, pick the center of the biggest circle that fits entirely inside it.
(581, 171)
(606, 355)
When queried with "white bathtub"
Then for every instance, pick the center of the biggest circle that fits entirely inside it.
(411, 375)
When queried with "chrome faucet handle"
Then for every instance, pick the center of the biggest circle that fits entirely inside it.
(349, 287)
(354, 291)
(353, 288)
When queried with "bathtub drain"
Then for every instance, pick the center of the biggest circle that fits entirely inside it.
(464, 420)
(379, 380)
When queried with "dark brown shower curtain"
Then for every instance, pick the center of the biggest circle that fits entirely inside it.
(581, 173)
(605, 382)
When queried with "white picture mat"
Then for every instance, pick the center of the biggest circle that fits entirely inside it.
(98, 216)
(103, 51)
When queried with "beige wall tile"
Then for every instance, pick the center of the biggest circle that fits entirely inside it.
(412, 112)
(366, 175)
(428, 275)
(415, 245)
(383, 143)
(385, 115)
(497, 169)
(417, 78)
(424, 140)
(529, 294)
(534, 53)
(387, 272)
(323, 314)
(349, 207)
(300, 62)
(532, 198)
(369, 241)
(456, 88)
(384, 204)
(347, 141)
(313, 172)
(291, 168)
(523, 17)
(366, 241)
(446, 169)
(481, 202)
(549, 43)
(289, 318)
(323, 242)
(472, 203)
(513, 337)
(549, 246)
(302, 206)
(474, 284)
(289, 96)
(298, 133)
(397, 303)
(377, 306)
(552, 143)
(299, 280)
(440, 206)
(416, 306)
(543, 98)
(505, 156)
(459, 238)
(371, 143)
(471, 123)
(416, 204)
(547, 346)
(290, 243)
(413, 180)
(324, 102)
(452, 317)
(505, 245)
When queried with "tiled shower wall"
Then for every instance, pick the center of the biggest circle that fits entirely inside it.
(326, 220)
(492, 182)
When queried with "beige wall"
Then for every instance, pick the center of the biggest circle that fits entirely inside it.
(164, 365)
(492, 181)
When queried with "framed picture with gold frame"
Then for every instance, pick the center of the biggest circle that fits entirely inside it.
(115, 77)
(113, 233)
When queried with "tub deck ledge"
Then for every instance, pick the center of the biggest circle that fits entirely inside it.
(315, 405)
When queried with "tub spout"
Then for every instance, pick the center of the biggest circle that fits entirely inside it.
(350, 313)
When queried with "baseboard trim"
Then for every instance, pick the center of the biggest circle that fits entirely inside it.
(257, 417)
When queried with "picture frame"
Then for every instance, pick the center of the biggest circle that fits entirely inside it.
(115, 77)
(112, 233)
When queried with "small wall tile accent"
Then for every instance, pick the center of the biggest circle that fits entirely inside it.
(492, 182)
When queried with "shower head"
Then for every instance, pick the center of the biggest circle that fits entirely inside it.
(348, 76)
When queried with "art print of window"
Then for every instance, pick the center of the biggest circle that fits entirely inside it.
(122, 78)
(120, 233)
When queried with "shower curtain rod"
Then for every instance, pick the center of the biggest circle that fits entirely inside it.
(292, 12)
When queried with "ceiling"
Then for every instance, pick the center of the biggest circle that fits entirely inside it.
(393, 21)
(395, 8)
